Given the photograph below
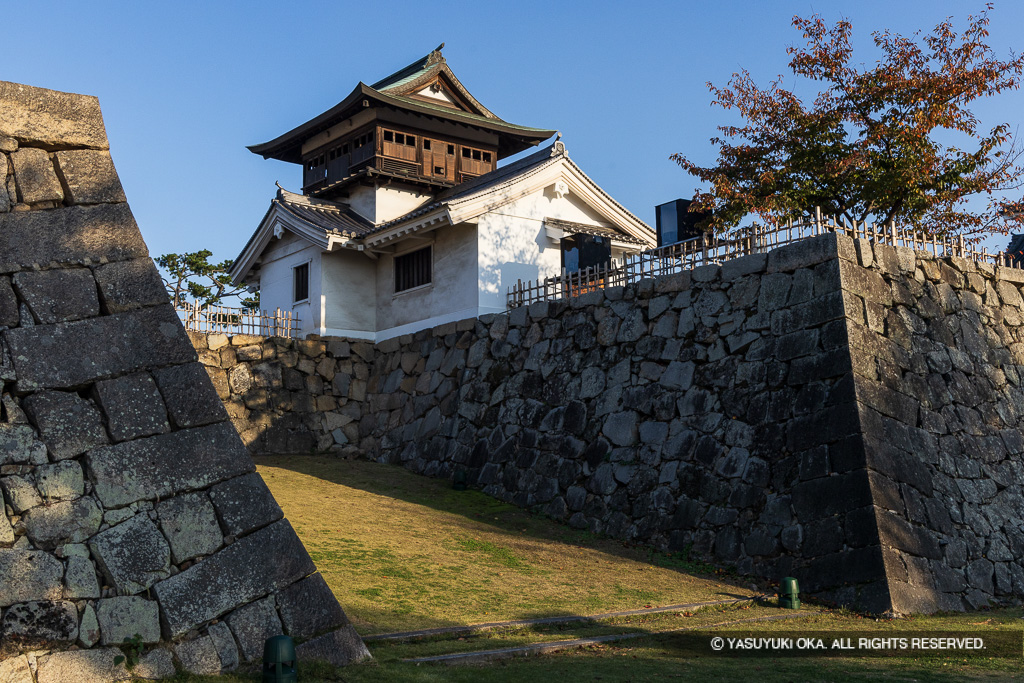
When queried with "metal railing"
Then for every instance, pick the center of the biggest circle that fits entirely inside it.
(223, 319)
(757, 239)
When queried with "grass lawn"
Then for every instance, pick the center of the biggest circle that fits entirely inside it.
(403, 552)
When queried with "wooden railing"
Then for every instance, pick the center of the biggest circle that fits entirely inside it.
(211, 319)
(712, 249)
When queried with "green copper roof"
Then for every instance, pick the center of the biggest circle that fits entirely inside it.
(412, 72)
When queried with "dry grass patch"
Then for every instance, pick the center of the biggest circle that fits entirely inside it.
(404, 552)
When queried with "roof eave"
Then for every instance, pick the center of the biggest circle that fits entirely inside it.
(288, 147)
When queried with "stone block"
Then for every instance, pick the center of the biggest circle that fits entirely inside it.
(35, 177)
(227, 649)
(50, 118)
(29, 575)
(20, 493)
(132, 555)
(133, 406)
(339, 648)
(38, 626)
(808, 252)
(61, 295)
(244, 503)
(80, 582)
(67, 423)
(252, 625)
(744, 265)
(190, 397)
(254, 566)
(76, 235)
(77, 666)
(16, 670)
(9, 316)
(190, 525)
(123, 618)
(161, 466)
(155, 664)
(88, 176)
(219, 380)
(199, 656)
(69, 521)
(19, 444)
(621, 428)
(88, 627)
(60, 481)
(6, 530)
(308, 608)
(71, 355)
(827, 496)
(130, 284)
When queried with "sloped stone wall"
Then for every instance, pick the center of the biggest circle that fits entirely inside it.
(131, 508)
(844, 412)
(938, 349)
(712, 410)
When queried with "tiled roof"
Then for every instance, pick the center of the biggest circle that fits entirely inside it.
(330, 216)
(582, 228)
(410, 73)
(449, 112)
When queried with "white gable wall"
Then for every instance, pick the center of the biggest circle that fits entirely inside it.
(382, 204)
(350, 294)
(275, 274)
(451, 295)
(514, 245)
(440, 94)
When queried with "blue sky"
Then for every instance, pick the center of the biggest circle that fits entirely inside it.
(186, 86)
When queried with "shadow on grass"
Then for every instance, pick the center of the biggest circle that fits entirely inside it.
(493, 515)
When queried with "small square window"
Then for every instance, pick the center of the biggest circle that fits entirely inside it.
(487, 157)
(300, 281)
(451, 149)
(426, 144)
(412, 270)
(410, 140)
(476, 154)
(466, 153)
(389, 136)
(400, 138)
(439, 170)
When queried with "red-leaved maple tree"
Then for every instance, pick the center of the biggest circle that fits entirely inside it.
(866, 148)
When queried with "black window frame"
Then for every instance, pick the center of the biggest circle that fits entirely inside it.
(299, 285)
(414, 269)
(586, 247)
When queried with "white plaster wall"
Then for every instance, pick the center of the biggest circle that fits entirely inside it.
(382, 204)
(514, 246)
(439, 95)
(350, 293)
(454, 285)
(275, 276)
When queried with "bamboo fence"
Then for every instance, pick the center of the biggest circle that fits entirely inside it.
(223, 319)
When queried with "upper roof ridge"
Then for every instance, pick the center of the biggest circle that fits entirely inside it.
(425, 63)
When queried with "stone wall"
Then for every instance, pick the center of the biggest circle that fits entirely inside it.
(939, 364)
(287, 395)
(844, 412)
(131, 508)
